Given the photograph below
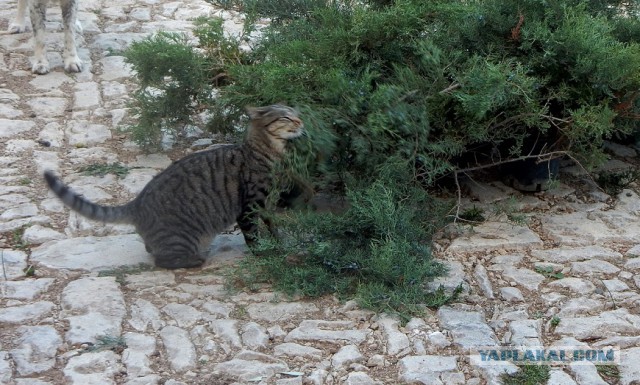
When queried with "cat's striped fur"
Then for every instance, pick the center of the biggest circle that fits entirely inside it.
(181, 209)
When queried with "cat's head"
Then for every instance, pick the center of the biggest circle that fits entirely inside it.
(280, 122)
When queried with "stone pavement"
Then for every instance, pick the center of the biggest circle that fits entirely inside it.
(568, 277)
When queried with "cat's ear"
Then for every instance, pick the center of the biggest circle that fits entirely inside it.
(255, 112)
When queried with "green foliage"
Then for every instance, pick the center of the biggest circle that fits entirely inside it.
(528, 375)
(105, 342)
(102, 169)
(549, 272)
(613, 182)
(375, 251)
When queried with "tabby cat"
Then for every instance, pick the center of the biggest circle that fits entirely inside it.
(184, 207)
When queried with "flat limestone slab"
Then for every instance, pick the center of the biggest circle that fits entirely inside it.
(496, 235)
(93, 253)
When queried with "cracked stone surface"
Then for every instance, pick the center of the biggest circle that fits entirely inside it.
(569, 275)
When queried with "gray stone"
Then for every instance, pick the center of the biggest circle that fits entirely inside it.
(496, 235)
(360, 378)
(185, 315)
(8, 111)
(87, 96)
(629, 368)
(21, 211)
(397, 343)
(593, 267)
(254, 336)
(295, 350)
(92, 253)
(30, 381)
(227, 331)
(468, 328)
(632, 264)
(217, 308)
(586, 373)
(140, 348)
(425, 369)
(615, 285)
(480, 273)
(6, 372)
(156, 161)
(92, 368)
(26, 289)
(600, 326)
(37, 234)
(577, 285)
(11, 128)
(633, 252)
(145, 314)
(455, 277)
(137, 179)
(116, 41)
(581, 305)
(277, 312)
(619, 150)
(526, 278)
(248, 365)
(115, 68)
(17, 146)
(346, 356)
(438, 339)
(48, 107)
(13, 263)
(36, 349)
(152, 379)
(46, 160)
(328, 331)
(52, 81)
(26, 313)
(526, 332)
(91, 316)
(563, 254)
(511, 294)
(579, 229)
(181, 353)
(492, 371)
(150, 279)
(81, 133)
(558, 377)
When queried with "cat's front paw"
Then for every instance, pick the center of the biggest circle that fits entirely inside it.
(73, 64)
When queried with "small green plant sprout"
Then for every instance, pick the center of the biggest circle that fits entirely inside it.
(610, 373)
(549, 272)
(555, 321)
(473, 214)
(29, 271)
(113, 343)
(121, 272)
(17, 240)
(528, 375)
(102, 169)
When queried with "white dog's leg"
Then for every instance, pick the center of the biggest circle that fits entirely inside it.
(38, 13)
(72, 62)
(18, 25)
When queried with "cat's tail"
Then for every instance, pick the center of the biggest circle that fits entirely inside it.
(110, 214)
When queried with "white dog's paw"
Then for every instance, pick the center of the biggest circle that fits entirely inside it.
(73, 64)
(40, 67)
(17, 27)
